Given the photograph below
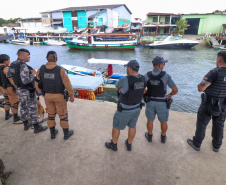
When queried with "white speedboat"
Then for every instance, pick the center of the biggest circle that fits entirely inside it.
(21, 41)
(54, 42)
(172, 42)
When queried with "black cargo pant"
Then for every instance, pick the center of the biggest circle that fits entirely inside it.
(203, 118)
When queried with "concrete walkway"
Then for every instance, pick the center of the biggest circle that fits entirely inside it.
(35, 159)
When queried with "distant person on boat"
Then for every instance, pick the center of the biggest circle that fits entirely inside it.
(10, 97)
(131, 90)
(156, 97)
(23, 77)
(53, 83)
(213, 105)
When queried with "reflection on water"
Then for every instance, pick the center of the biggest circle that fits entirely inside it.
(186, 67)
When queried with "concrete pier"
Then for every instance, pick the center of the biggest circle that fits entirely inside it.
(35, 159)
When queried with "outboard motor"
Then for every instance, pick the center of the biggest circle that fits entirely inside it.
(31, 42)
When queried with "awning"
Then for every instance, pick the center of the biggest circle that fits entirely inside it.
(59, 22)
(149, 25)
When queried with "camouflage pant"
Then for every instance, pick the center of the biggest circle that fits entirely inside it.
(28, 106)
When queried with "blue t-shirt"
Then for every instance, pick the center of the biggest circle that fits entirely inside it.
(167, 80)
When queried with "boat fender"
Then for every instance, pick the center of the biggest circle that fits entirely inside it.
(87, 45)
(78, 44)
(121, 45)
(134, 44)
(83, 44)
(106, 45)
(94, 45)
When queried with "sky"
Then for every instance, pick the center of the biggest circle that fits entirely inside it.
(139, 8)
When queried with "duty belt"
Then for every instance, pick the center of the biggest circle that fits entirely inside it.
(132, 108)
(160, 100)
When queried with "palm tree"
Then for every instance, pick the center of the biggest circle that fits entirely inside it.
(182, 25)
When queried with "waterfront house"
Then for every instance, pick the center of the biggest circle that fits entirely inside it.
(136, 25)
(31, 22)
(209, 23)
(102, 16)
(160, 23)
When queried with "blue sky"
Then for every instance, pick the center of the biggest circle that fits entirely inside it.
(139, 8)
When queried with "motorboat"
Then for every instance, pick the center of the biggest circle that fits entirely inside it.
(22, 40)
(54, 42)
(173, 42)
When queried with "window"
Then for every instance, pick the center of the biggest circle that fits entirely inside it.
(155, 19)
(167, 20)
(45, 16)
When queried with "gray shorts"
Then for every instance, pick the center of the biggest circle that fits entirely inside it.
(126, 117)
(159, 108)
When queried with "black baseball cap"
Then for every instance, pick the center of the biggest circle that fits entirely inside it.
(133, 64)
(158, 60)
(23, 50)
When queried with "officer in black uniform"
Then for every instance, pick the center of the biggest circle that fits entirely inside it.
(213, 105)
(131, 89)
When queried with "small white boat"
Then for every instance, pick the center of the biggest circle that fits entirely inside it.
(111, 80)
(82, 71)
(54, 42)
(172, 42)
(21, 41)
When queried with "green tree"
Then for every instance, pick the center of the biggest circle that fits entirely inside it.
(181, 25)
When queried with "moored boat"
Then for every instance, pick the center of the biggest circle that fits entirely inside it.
(54, 42)
(102, 42)
(172, 42)
(22, 40)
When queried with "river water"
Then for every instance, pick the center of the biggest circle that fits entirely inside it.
(186, 67)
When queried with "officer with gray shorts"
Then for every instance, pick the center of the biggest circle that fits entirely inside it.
(131, 90)
(157, 98)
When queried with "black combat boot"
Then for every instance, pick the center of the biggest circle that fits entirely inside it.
(16, 119)
(27, 125)
(53, 132)
(111, 145)
(7, 115)
(67, 133)
(38, 128)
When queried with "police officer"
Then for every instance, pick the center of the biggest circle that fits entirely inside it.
(213, 105)
(52, 80)
(156, 97)
(131, 89)
(11, 98)
(23, 78)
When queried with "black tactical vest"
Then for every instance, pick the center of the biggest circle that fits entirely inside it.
(135, 92)
(217, 89)
(15, 73)
(51, 80)
(155, 85)
(4, 80)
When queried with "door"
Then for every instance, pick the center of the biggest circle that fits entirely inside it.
(194, 26)
(74, 16)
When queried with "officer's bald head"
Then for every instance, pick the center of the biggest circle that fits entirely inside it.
(51, 56)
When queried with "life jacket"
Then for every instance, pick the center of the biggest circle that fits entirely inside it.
(4, 80)
(15, 74)
(51, 80)
(217, 89)
(155, 85)
(135, 92)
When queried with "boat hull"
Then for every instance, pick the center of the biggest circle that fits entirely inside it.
(174, 46)
(79, 46)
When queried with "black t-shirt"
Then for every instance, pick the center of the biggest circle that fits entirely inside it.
(212, 75)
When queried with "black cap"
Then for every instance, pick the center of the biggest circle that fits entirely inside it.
(50, 53)
(158, 60)
(23, 50)
(133, 64)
